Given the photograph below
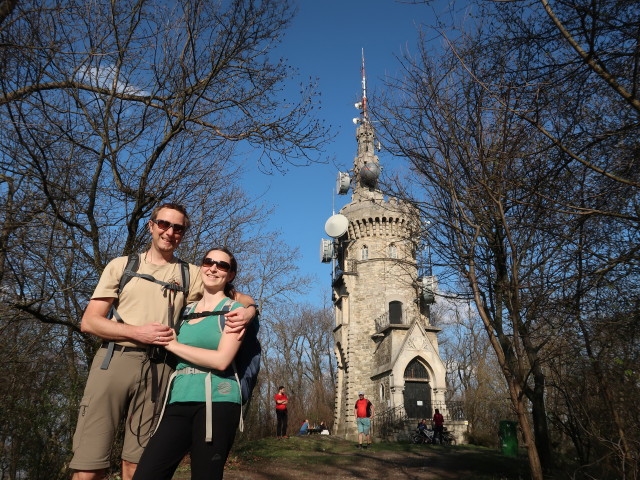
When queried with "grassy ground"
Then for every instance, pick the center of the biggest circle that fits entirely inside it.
(319, 456)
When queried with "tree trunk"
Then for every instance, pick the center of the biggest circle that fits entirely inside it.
(540, 425)
(517, 398)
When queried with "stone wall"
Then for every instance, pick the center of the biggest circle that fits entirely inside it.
(376, 261)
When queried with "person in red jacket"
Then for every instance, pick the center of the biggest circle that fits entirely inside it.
(281, 413)
(363, 413)
(438, 426)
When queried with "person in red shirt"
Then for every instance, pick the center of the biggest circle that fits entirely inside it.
(281, 413)
(438, 426)
(363, 413)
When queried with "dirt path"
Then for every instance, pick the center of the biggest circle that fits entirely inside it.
(384, 462)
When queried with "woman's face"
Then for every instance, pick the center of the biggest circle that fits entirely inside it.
(216, 269)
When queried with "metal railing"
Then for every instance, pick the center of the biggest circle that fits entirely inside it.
(393, 419)
(382, 322)
(390, 420)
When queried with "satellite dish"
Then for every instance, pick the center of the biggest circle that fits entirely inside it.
(336, 226)
(343, 182)
(370, 173)
(356, 121)
(326, 250)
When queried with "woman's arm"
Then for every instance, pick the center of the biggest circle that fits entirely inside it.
(218, 359)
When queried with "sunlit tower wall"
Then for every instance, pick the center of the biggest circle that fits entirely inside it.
(382, 331)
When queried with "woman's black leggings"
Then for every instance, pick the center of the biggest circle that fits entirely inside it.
(182, 430)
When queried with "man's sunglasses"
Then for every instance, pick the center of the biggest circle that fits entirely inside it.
(221, 264)
(164, 225)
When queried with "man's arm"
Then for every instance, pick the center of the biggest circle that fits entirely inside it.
(238, 319)
(95, 322)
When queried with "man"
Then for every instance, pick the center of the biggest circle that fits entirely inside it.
(123, 380)
(281, 400)
(438, 426)
(364, 413)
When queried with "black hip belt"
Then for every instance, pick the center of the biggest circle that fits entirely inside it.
(121, 348)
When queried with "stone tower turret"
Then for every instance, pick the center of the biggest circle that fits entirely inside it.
(384, 342)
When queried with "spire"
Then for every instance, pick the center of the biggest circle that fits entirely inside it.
(366, 164)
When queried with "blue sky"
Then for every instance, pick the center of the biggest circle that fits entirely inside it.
(325, 42)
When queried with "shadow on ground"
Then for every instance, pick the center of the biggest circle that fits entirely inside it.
(330, 457)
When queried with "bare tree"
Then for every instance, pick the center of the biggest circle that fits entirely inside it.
(110, 108)
(299, 350)
(473, 373)
(525, 157)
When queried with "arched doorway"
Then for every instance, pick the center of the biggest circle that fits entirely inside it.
(417, 390)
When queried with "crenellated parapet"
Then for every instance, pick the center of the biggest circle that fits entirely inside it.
(379, 218)
(377, 227)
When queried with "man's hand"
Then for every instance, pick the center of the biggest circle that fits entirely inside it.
(95, 321)
(238, 319)
(154, 334)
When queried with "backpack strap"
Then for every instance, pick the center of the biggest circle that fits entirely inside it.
(221, 321)
(133, 263)
(186, 278)
(191, 315)
(130, 269)
(187, 314)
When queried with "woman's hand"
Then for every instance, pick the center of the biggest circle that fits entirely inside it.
(172, 342)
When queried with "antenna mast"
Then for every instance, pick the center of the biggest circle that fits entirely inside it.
(364, 90)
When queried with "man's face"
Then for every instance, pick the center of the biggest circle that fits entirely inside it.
(166, 240)
(281, 391)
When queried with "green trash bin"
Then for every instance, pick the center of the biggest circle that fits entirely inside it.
(509, 438)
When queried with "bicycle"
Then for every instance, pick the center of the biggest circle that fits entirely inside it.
(422, 436)
(448, 438)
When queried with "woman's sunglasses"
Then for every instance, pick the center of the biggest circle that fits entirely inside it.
(164, 225)
(221, 264)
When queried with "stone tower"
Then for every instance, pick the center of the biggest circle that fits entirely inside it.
(384, 343)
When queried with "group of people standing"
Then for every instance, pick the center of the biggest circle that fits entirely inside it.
(147, 350)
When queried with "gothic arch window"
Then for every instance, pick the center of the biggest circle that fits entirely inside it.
(416, 371)
(393, 251)
(395, 312)
(364, 253)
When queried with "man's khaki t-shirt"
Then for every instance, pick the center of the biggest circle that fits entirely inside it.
(142, 302)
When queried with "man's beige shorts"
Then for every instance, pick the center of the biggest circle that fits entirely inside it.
(123, 389)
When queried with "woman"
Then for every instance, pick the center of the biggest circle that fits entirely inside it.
(304, 428)
(205, 353)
